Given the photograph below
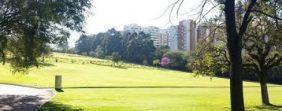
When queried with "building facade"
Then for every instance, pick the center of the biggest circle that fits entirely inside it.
(158, 36)
(172, 38)
(155, 34)
(132, 28)
(186, 34)
(183, 37)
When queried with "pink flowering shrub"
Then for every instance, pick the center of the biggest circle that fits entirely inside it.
(165, 61)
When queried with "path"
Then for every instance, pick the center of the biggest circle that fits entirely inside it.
(20, 98)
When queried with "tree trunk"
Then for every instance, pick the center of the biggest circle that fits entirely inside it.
(236, 85)
(264, 92)
(234, 48)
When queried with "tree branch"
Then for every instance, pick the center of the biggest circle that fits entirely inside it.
(246, 18)
(273, 64)
(266, 14)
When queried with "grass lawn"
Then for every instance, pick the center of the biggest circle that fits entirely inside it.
(93, 85)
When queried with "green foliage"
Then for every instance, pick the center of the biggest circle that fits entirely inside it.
(211, 55)
(83, 44)
(259, 56)
(178, 60)
(132, 47)
(27, 26)
(139, 48)
(116, 57)
(161, 51)
(99, 52)
(156, 62)
(262, 45)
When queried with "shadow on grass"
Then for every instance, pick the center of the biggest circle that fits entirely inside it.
(46, 65)
(59, 90)
(19, 103)
(114, 66)
(50, 106)
(128, 87)
(265, 107)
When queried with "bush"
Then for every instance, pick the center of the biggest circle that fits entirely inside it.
(165, 61)
(178, 60)
(156, 62)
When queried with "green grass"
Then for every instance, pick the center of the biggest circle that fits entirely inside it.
(93, 85)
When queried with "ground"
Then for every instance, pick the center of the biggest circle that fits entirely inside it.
(95, 85)
(20, 98)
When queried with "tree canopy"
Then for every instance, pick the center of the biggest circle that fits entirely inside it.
(132, 47)
(28, 26)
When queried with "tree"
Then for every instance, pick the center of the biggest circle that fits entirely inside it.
(111, 42)
(262, 45)
(63, 45)
(115, 58)
(178, 60)
(28, 25)
(235, 31)
(234, 39)
(210, 58)
(84, 44)
(132, 47)
(99, 52)
(139, 48)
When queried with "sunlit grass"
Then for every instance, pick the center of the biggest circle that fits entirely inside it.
(93, 84)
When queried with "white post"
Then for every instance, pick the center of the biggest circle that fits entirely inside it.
(58, 82)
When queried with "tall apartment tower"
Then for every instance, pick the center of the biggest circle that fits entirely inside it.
(186, 35)
(172, 38)
(163, 37)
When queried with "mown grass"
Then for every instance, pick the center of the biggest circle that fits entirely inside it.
(94, 85)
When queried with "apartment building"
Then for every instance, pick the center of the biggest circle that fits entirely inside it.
(172, 38)
(186, 34)
(158, 36)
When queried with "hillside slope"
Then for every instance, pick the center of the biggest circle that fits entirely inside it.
(94, 84)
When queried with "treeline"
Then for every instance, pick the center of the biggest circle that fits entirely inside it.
(129, 47)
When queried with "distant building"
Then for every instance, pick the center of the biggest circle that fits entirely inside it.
(158, 36)
(172, 38)
(132, 28)
(186, 35)
(155, 34)
(163, 38)
(183, 37)
(202, 32)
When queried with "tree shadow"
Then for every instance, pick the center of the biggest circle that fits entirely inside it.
(119, 66)
(19, 103)
(134, 87)
(114, 66)
(265, 107)
(51, 106)
(46, 64)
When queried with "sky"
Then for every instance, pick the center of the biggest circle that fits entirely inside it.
(106, 14)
